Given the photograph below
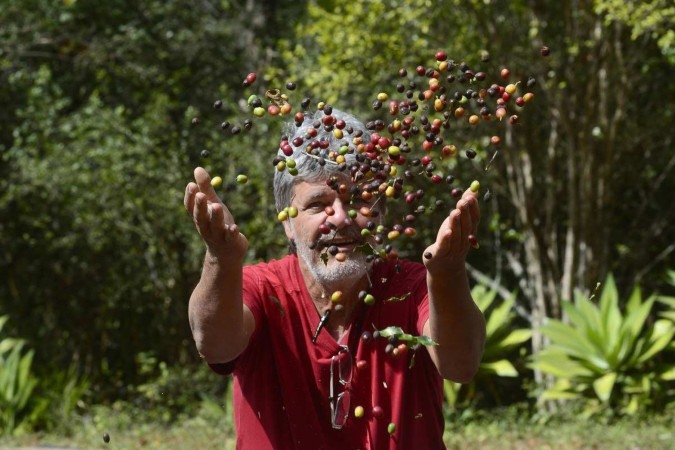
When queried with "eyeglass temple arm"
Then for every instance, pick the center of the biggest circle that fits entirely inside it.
(322, 323)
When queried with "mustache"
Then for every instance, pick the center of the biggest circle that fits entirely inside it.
(341, 236)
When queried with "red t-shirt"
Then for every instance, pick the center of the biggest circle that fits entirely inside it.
(281, 380)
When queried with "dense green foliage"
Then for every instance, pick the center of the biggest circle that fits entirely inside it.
(502, 340)
(612, 358)
(97, 142)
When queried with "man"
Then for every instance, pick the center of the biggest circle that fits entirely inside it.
(300, 334)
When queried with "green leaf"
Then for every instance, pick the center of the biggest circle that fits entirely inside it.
(424, 340)
(668, 374)
(366, 249)
(566, 337)
(391, 331)
(499, 317)
(557, 363)
(662, 335)
(406, 337)
(610, 313)
(503, 368)
(603, 386)
(483, 297)
(516, 337)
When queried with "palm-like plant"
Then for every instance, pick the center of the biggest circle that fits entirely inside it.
(502, 338)
(609, 358)
(16, 380)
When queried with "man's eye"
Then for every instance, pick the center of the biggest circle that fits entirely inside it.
(315, 206)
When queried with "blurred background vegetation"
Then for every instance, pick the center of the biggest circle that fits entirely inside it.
(97, 142)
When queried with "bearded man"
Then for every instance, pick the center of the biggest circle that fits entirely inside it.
(300, 334)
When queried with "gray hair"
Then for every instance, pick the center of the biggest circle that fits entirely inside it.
(316, 166)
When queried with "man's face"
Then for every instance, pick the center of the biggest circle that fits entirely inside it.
(315, 201)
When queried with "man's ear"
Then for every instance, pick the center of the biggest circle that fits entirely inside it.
(288, 229)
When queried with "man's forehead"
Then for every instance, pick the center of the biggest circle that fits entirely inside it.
(312, 188)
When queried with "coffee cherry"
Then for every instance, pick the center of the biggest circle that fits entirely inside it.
(324, 228)
(242, 179)
(250, 79)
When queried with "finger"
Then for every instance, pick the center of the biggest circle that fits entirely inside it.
(200, 214)
(203, 180)
(217, 222)
(466, 224)
(471, 198)
(189, 199)
(449, 238)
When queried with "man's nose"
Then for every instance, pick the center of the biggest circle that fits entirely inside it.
(340, 214)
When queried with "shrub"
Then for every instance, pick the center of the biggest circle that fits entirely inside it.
(502, 338)
(608, 359)
(16, 381)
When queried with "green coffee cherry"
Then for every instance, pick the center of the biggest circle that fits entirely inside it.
(216, 181)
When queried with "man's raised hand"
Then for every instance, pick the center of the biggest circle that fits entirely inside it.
(213, 220)
(452, 244)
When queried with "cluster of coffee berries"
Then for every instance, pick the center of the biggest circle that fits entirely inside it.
(409, 144)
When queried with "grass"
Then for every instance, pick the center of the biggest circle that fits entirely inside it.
(212, 428)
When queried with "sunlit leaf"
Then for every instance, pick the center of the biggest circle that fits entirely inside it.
(603, 386)
(503, 368)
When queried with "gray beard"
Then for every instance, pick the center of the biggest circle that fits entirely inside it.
(335, 274)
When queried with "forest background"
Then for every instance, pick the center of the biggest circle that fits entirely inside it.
(98, 140)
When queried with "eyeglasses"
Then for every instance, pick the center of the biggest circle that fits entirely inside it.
(339, 405)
